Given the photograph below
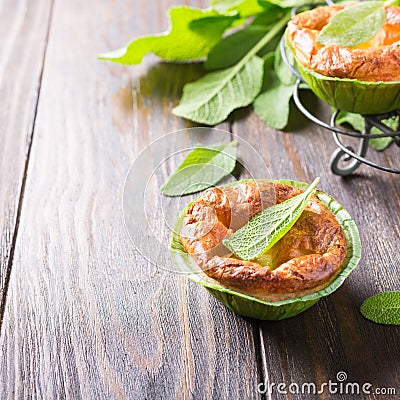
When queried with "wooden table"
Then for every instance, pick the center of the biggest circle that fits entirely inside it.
(83, 314)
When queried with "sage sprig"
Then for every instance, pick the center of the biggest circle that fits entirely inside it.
(213, 97)
(239, 73)
(236, 60)
(268, 226)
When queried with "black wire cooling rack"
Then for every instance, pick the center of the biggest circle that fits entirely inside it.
(345, 159)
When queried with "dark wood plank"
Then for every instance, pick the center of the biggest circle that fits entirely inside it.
(87, 316)
(23, 33)
(333, 336)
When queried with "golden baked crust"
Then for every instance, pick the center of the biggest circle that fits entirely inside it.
(375, 60)
(306, 259)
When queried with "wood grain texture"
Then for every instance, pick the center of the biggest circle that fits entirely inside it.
(86, 316)
(333, 336)
(23, 35)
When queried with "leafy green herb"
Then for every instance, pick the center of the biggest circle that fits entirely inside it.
(284, 74)
(380, 144)
(268, 226)
(212, 98)
(287, 3)
(269, 16)
(203, 167)
(383, 308)
(272, 104)
(192, 35)
(355, 25)
(245, 8)
(357, 122)
(233, 48)
(236, 58)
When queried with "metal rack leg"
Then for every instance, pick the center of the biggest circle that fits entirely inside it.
(341, 155)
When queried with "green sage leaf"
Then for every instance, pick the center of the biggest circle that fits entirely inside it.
(192, 34)
(233, 48)
(268, 226)
(245, 8)
(287, 3)
(272, 105)
(213, 97)
(284, 74)
(355, 25)
(357, 122)
(202, 168)
(383, 308)
(380, 144)
(271, 14)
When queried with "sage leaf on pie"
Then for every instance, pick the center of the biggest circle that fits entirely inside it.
(268, 226)
(383, 308)
(355, 25)
(202, 168)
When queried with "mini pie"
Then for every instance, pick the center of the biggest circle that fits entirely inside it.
(372, 61)
(304, 261)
